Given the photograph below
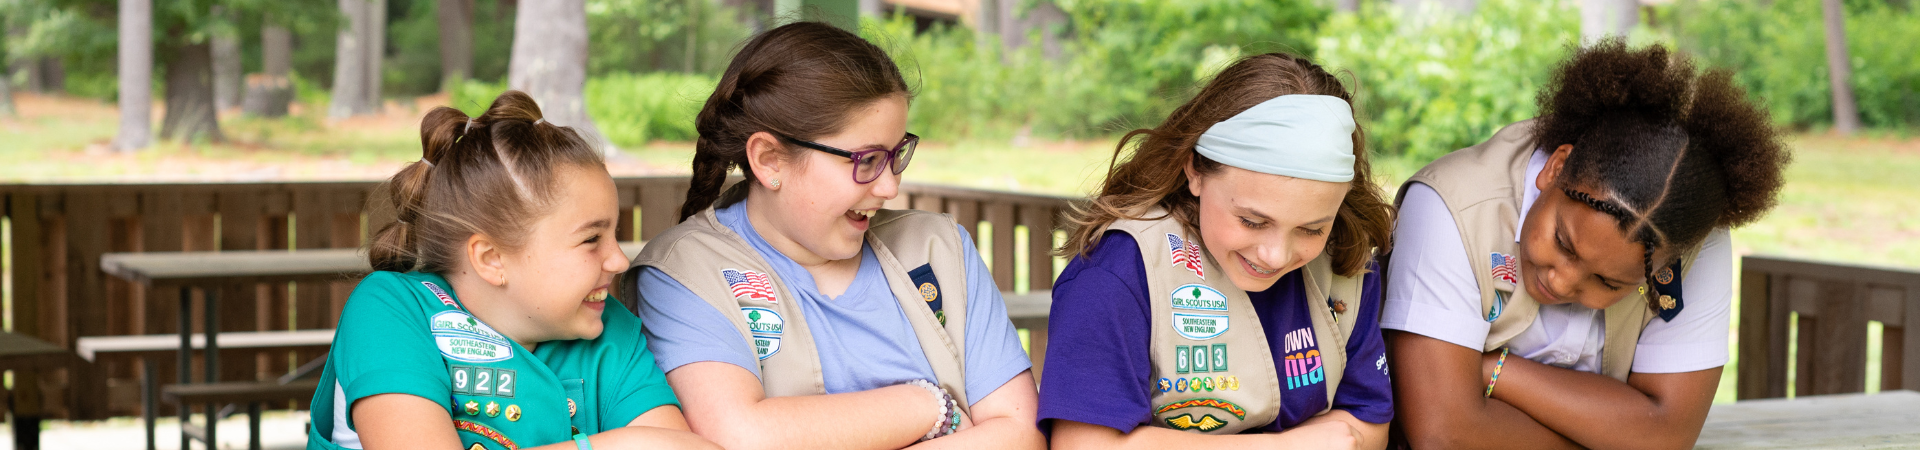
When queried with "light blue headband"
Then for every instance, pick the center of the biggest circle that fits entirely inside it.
(1300, 136)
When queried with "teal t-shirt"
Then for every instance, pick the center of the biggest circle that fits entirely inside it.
(407, 333)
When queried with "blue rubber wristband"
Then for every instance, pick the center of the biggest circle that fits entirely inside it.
(580, 442)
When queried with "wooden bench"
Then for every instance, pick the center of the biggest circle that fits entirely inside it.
(23, 353)
(249, 393)
(148, 347)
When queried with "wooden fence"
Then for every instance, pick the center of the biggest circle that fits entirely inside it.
(1834, 302)
(58, 233)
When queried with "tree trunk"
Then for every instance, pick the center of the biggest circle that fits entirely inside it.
(376, 51)
(350, 61)
(226, 71)
(190, 110)
(456, 42)
(1602, 18)
(269, 93)
(136, 75)
(1846, 115)
(549, 61)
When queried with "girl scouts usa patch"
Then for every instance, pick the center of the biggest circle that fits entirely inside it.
(766, 327)
(461, 338)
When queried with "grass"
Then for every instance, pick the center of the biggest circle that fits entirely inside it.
(1846, 199)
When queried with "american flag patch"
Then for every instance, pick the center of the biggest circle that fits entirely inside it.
(1504, 269)
(1185, 254)
(750, 284)
(442, 295)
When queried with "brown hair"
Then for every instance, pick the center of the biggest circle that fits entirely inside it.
(801, 80)
(1153, 174)
(492, 175)
(1676, 153)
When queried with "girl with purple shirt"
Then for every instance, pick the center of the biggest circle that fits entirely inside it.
(1222, 280)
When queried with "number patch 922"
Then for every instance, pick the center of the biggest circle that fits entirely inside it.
(490, 381)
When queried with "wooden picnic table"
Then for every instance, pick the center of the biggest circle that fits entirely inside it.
(1888, 419)
(186, 270)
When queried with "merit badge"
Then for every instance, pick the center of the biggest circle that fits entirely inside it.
(1233, 383)
(929, 287)
(484, 431)
(570, 408)
(1199, 327)
(493, 409)
(766, 327)
(1180, 385)
(1499, 303)
(1165, 385)
(472, 407)
(441, 294)
(1198, 297)
(461, 338)
(513, 413)
(750, 284)
(1505, 268)
(1186, 254)
(1664, 276)
(1211, 403)
(1206, 383)
(1183, 422)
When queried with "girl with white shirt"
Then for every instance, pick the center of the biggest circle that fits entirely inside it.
(1575, 271)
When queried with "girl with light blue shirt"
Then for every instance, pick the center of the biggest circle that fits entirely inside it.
(791, 311)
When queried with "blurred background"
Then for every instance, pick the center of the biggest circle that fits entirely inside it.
(1026, 96)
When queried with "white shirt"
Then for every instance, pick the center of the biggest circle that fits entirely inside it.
(1430, 278)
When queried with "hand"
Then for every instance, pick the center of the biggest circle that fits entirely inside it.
(1331, 434)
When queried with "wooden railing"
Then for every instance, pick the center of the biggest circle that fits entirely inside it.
(58, 233)
(1833, 302)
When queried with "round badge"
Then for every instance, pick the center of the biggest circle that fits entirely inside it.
(1664, 276)
(1206, 383)
(493, 409)
(1165, 385)
(570, 409)
(473, 408)
(1233, 383)
(1180, 385)
(928, 292)
(513, 413)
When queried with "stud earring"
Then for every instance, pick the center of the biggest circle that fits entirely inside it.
(776, 183)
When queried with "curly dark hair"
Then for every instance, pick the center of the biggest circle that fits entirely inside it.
(1668, 151)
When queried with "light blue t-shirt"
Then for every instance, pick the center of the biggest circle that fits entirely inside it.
(864, 339)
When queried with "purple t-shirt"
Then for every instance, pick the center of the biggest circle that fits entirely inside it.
(1099, 371)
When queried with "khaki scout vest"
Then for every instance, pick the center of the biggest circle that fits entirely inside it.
(1482, 187)
(919, 253)
(1208, 338)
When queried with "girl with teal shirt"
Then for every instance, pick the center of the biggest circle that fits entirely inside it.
(487, 323)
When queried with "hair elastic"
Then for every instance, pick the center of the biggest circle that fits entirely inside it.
(469, 127)
(539, 121)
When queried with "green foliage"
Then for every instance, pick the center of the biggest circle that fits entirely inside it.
(1428, 84)
(630, 109)
(1131, 62)
(1778, 53)
(412, 65)
(1145, 51)
(633, 109)
(693, 36)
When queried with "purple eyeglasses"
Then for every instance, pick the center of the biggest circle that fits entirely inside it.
(867, 163)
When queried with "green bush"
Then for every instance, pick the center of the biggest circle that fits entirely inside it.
(1129, 64)
(630, 109)
(1778, 52)
(1428, 84)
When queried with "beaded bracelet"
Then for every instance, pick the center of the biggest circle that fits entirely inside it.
(1496, 370)
(948, 421)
